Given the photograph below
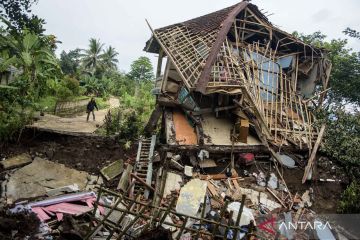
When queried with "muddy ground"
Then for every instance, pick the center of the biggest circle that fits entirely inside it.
(83, 153)
(91, 154)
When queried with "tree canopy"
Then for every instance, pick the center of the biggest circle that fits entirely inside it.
(17, 13)
(141, 70)
(70, 61)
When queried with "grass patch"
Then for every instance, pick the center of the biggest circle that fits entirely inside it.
(101, 102)
(46, 104)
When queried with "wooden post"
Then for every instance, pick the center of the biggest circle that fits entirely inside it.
(97, 199)
(222, 212)
(167, 211)
(202, 217)
(159, 63)
(227, 228)
(313, 153)
(182, 228)
(94, 231)
(133, 221)
(153, 120)
(122, 217)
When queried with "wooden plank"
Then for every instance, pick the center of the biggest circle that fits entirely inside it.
(113, 170)
(313, 153)
(276, 197)
(236, 184)
(159, 64)
(219, 176)
(244, 130)
(143, 183)
(153, 120)
(124, 180)
(212, 190)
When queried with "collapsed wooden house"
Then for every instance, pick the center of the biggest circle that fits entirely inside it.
(233, 81)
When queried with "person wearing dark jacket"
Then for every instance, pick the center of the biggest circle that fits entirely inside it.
(90, 108)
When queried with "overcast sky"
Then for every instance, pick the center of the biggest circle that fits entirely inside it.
(121, 23)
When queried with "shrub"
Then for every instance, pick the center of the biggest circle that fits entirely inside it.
(112, 121)
(10, 124)
(72, 84)
(342, 140)
(13, 115)
(342, 145)
(350, 199)
(64, 93)
(131, 126)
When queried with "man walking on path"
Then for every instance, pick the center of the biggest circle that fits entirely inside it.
(90, 109)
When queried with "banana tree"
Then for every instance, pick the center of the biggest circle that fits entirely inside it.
(29, 53)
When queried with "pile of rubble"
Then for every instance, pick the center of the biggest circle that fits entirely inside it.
(160, 195)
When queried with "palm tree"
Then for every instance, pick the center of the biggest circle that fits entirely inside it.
(109, 59)
(92, 56)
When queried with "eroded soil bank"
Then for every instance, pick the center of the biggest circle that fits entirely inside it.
(83, 153)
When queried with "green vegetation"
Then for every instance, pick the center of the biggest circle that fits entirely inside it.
(128, 121)
(102, 103)
(46, 104)
(350, 203)
(342, 136)
(12, 114)
(43, 79)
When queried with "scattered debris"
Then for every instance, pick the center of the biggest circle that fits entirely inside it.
(203, 154)
(260, 179)
(63, 190)
(245, 216)
(113, 170)
(125, 178)
(207, 163)
(38, 177)
(287, 161)
(306, 201)
(188, 171)
(16, 161)
(191, 196)
(273, 181)
(172, 183)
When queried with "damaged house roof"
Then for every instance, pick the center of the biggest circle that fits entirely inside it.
(267, 75)
(205, 35)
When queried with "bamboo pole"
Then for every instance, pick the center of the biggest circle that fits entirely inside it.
(239, 215)
(202, 217)
(131, 223)
(313, 154)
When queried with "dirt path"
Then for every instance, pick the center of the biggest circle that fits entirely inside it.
(75, 125)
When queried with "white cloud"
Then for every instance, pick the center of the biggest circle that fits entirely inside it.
(122, 23)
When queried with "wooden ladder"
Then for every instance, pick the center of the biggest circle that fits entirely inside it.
(143, 165)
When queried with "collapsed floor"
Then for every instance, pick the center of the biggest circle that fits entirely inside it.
(174, 195)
